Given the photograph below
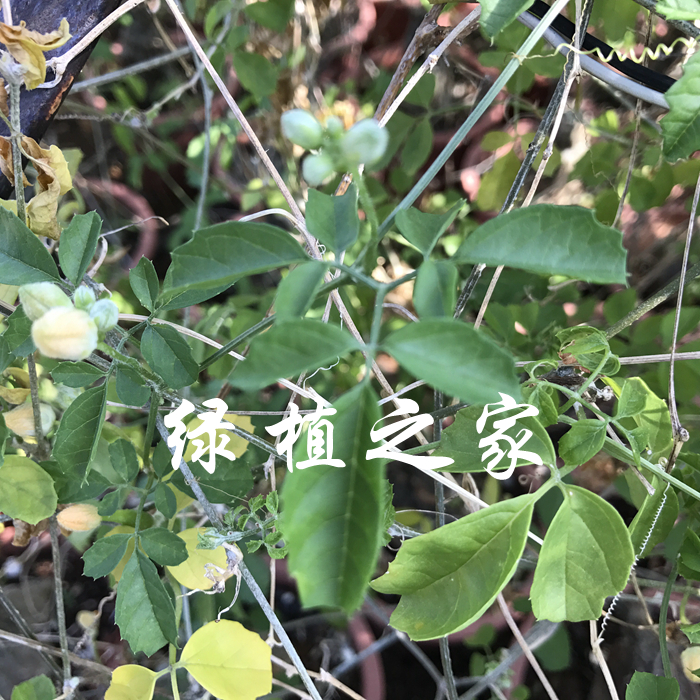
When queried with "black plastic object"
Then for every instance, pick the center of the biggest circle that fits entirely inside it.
(38, 106)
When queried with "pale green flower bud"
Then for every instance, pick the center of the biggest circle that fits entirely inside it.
(83, 298)
(316, 168)
(334, 127)
(105, 314)
(302, 128)
(365, 142)
(65, 334)
(20, 420)
(39, 297)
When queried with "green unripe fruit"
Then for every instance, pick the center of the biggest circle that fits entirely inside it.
(83, 298)
(302, 128)
(365, 142)
(105, 314)
(316, 168)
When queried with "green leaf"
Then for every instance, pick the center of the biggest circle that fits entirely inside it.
(131, 388)
(418, 147)
(124, 460)
(144, 610)
(228, 661)
(78, 245)
(163, 546)
(631, 402)
(587, 555)
(647, 686)
(423, 230)
(219, 255)
(76, 374)
(289, 349)
(495, 184)
(131, 682)
(655, 418)
(549, 240)
(332, 518)
(649, 513)
(273, 14)
(6, 356)
(679, 9)
(588, 346)
(435, 291)
(23, 257)
(18, 335)
(460, 441)
(256, 73)
(229, 481)
(583, 441)
(169, 355)
(74, 486)
(144, 283)
(184, 297)
(297, 291)
(681, 126)
(333, 220)
(37, 688)
(102, 558)
(165, 500)
(498, 14)
(541, 398)
(449, 577)
(27, 491)
(80, 429)
(452, 357)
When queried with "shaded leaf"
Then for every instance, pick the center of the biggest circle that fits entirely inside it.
(104, 555)
(549, 240)
(647, 686)
(37, 688)
(78, 245)
(76, 374)
(583, 441)
(681, 126)
(435, 291)
(27, 491)
(297, 291)
(144, 283)
(169, 355)
(423, 230)
(124, 460)
(163, 546)
(333, 220)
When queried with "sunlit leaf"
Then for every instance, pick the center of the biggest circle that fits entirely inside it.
(131, 682)
(27, 491)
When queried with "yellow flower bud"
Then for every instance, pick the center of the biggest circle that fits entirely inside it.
(39, 297)
(65, 334)
(20, 420)
(80, 517)
(690, 658)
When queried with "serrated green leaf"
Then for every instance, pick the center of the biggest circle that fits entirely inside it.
(647, 686)
(18, 335)
(450, 576)
(549, 240)
(124, 460)
(102, 558)
(456, 359)
(219, 255)
(144, 611)
(332, 518)
(297, 291)
(498, 14)
(27, 491)
(78, 245)
(23, 257)
(435, 291)
(583, 441)
(169, 355)
(681, 126)
(144, 283)
(228, 661)
(76, 374)
(460, 441)
(37, 688)
(79, 430)
(333, 220)
(163, 546)
(587, 556)
(289, 349)
(423, 230)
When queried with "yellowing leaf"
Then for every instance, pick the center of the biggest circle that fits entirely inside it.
(27, 48)
(131, 682)
(52, 181)
(236, 444)
(191, 572)
(12, 395)
(228, 661)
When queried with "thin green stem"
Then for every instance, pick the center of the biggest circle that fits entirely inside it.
(60, 609)
(142, 502)
(36, 407)
(366, 202)
(663, 612)
(249, 333)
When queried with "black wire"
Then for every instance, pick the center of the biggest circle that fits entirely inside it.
(641, 74)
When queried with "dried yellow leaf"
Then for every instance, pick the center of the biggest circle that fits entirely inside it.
(53, 180)
(14, 395)
(27, 48)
